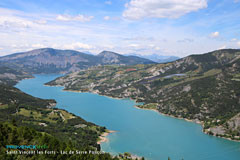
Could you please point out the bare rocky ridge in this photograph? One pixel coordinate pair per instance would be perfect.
(10, 76)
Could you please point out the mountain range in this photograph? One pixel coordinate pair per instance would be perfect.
(49, 60)
(157, 58)
(203, 88)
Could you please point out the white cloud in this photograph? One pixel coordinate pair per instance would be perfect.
(238, 43)
(106, 18)
(151, 45)
(214, 34)
(223, 47)
(13, 22)
(42, 21)
(186, 40)
(108, 46)
(77, 46)
(81, 18)
(234, 40)
(18, 50)
(13, 45)
(157, 48)
(137, 9)
(108, 2)
(236, 1)
(20, 46)
(38, 45)
(134, 45)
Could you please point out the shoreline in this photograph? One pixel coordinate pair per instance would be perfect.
(155, 110)
(188, 120)
(32, 77)
(69, 90)
(167, 115)
(103, 137)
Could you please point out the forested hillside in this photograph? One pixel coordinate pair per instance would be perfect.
(50, 146)
(27, 120)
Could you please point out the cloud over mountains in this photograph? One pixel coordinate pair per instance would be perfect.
(137, 9)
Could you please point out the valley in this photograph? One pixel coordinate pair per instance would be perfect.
(28, 120)
(120, 80)
(207, 90)
(200, 88)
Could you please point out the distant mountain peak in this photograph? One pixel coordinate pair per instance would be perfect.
(108, 53)
(50, 60)
(157, 58)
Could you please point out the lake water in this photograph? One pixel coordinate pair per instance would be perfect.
(141, 132)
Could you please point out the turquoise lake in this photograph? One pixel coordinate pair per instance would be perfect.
(141, 132)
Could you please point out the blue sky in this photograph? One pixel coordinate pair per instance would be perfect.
(164, 27)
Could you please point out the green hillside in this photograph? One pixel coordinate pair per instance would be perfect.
(27, 120)
(49, 147)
